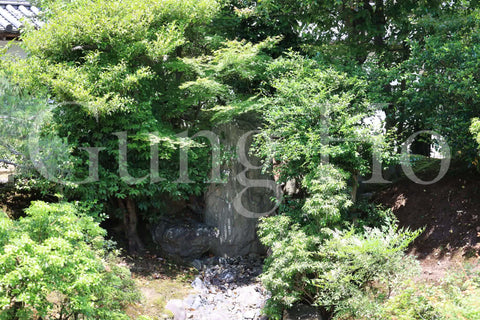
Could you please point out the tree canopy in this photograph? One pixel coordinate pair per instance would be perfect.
(114, 70)
(112, 91)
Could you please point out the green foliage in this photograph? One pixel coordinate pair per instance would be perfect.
(315, 132)
(455, 298)
(411, 303)
(419, 57)
(436, 88)
(115, 66)
(343, 32)
(16, 112)
(346, 272)
(328, 199)
(55, 264)
(229, 81)
(475, 129)
(316, 113)
(158, 68)
(310, 112)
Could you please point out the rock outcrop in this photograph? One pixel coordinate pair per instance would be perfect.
(237, 228)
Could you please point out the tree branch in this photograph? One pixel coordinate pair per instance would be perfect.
(8, 162)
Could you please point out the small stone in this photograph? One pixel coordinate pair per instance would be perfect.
(177, 307)
(228, 277)
(227, 289)
(197, 264)
(249, 314)
(198, 285)
(248, 296)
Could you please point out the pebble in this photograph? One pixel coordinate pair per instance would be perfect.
(226, 289)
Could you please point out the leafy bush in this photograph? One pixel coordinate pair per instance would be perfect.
(409, 304)
(321, 254)
(345, 272)
(455, 298)
(55, 265)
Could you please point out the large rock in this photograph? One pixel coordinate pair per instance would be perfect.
(185, 240)
(237, 230)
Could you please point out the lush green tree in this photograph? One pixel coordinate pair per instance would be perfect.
(230, 82)
(315, 132)
(386, 42)
(317, 116)
(436, 88)
(338, 30)
(114, 67)
(56, 264)
(389, 42)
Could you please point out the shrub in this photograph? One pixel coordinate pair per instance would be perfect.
(54, 264)
(411, 303)
(344, 272)
(455, 298)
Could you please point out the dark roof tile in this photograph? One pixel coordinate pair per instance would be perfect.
(12, 13)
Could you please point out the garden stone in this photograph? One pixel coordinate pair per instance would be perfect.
(184, 240)
(237, 232)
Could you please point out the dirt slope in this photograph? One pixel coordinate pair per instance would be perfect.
(449, 210)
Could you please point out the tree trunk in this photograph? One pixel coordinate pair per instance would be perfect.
(130, 220)
(354, 187)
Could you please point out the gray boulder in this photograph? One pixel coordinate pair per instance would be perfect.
(237, 231)
(184, 240)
